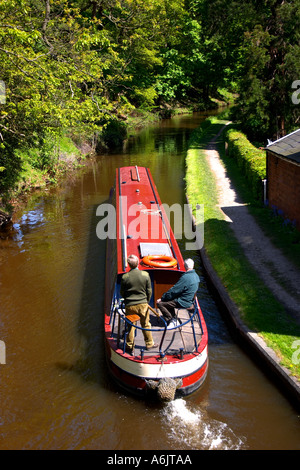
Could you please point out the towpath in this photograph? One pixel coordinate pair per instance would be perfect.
(278, 273)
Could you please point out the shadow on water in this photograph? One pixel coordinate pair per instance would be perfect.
(91, 364)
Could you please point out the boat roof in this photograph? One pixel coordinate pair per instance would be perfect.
(143, 227)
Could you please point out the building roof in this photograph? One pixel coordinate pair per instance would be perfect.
(288, 146)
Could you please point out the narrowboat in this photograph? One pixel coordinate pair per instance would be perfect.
(178, 365)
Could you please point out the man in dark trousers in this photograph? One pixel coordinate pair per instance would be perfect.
(136, 290)
(181, 295)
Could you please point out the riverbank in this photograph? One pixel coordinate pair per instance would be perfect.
(54, 157)
(58, 157)
(67, 157)
(251, 303)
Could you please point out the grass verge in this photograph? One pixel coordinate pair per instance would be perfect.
(258, 307)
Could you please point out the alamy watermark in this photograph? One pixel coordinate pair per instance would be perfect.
(296, 354)
(2, 353)
(135, 225)
(296, 94)
(2, 92)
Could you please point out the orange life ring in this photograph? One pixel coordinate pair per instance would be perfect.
(160, 261)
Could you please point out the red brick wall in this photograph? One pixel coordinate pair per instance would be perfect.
(283, 178)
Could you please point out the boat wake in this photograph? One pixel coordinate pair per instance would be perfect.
(195, 430)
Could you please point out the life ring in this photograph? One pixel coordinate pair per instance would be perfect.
(160, 261)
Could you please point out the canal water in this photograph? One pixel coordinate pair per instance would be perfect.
(55, 390)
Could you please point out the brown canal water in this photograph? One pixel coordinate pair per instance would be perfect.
(55, 391)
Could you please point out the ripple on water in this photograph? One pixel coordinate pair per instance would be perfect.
(196, 430)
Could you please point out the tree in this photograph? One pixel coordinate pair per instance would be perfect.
(81, 66)
(271, 64)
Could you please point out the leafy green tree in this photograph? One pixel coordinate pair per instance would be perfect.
(53, 75)
(271, 64)
(222, 26)
(82, 66)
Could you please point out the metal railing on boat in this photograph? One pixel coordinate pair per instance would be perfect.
(124, 324)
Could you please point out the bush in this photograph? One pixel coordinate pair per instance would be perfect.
(10, 167)
(250, 160)
(114, 133)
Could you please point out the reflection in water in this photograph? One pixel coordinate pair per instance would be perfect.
(55, 390)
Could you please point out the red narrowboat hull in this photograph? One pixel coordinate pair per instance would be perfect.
(142, 225)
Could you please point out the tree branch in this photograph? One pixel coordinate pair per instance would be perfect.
(45, 24)
(11, 131)
(31, 61)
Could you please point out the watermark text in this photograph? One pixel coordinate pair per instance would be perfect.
(296, 354)
(136, 221)
(2, 352)
(2, 92)
(296, 94)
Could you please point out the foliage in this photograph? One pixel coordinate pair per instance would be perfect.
(78, 66)
(271, 65)
(114, 133)
(254, 45)
(250, 160)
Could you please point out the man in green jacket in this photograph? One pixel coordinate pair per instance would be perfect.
(136, 290)
(181, 295)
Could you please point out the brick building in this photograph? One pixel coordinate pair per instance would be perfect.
(283, 176)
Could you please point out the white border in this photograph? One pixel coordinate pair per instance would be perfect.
(161, 369)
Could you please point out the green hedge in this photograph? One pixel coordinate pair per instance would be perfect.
(250, 160)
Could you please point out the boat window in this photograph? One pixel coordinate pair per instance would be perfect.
(148, 249)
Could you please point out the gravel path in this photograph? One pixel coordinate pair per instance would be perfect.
(281, 277)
